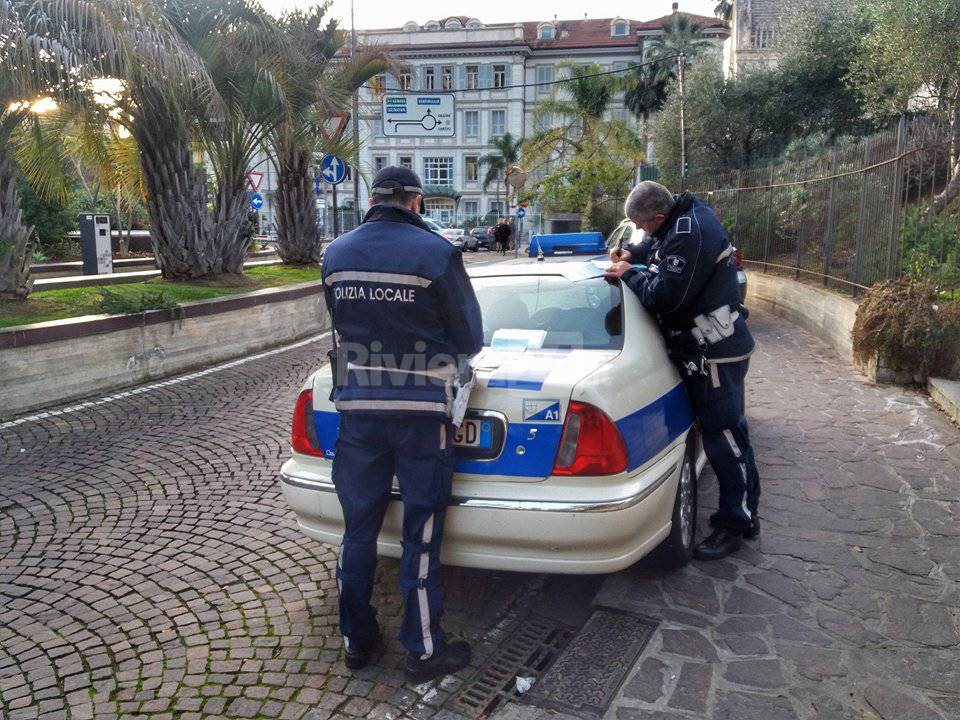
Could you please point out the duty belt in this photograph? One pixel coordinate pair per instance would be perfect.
(708, 329)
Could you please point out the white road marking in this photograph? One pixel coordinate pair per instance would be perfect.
(164, 383)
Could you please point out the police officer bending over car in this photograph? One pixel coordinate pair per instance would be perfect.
(685, 274)
(405, 320)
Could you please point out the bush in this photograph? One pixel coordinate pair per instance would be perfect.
(116, 303)
(50, 223)
(904, 322)
(930, 249)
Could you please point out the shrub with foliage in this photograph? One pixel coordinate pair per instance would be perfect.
(116, 303)
(930, 249)
(905, 323)
(50, 222)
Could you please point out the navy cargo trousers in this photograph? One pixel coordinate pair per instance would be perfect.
(371, 450)
(717, 399)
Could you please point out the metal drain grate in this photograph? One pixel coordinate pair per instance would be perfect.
(528, 653)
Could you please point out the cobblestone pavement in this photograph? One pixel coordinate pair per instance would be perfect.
(849, 604)
(149, 568)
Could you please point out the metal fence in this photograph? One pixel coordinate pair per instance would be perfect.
(834, 215)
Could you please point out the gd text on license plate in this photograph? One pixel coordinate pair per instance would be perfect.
(476, 433)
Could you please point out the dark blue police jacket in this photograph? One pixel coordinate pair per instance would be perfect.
(691, 271)
(404, 312)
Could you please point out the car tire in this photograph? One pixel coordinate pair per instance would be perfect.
(677, 548)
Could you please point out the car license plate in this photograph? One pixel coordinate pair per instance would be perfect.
(476, 433)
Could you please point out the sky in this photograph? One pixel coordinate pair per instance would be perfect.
(372, 14)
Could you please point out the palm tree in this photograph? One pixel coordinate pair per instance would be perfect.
(724, 10)
(645, 94)
(33, 64)
(681, 35)
(240, 46)
(315, 89)
(498, 162)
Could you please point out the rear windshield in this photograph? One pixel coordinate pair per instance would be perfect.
(549, 311)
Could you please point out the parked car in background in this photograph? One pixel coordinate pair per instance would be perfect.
(578, 453)
(457, 236)
(627, 233)
(484, 236)
(435, 225)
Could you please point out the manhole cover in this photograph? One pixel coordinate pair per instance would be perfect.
(529, 651)
(587, 674)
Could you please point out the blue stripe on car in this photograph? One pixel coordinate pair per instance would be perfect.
(646, 433)
(652, 428)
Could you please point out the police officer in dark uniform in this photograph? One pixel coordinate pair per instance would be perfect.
(405, 320)
(684, 272)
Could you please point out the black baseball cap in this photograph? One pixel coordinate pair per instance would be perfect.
(396, 178)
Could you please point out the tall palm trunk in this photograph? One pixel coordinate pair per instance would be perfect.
(15, 280)
(229, 217)
(298, 232)
(177, 204)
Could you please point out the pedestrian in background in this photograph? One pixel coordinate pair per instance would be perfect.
(399, 297)
(686, 275)
(501, 234)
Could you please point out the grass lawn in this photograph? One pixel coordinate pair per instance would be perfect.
(133, 297)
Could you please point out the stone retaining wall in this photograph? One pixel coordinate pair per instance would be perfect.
(53, 362)
(826, 314)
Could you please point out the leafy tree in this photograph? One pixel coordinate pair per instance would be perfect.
(724, 10)
(51, 221)
(729, 122)
(498, 162)
(585, 160)
(646, 92)
(821, 44)
(910, 58)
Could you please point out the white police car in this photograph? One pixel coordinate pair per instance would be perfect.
(578, 454)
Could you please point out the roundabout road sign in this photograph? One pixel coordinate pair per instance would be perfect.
(256, 201)
(333, 169)
(521, 213)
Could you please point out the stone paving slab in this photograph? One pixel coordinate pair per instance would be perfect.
(149, 568)
(848, 606)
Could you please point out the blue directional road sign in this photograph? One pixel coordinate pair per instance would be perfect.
(333, 169)
(521, 213)
(256, 201)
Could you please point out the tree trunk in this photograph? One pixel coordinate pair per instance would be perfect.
(298, 231)
(229, 220)
(949, 194)
(183, 243)
(15, 282)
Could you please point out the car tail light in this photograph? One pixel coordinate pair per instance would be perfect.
(591, 444)
(304, 428)
(739, 256)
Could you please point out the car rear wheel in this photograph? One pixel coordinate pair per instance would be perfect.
(677, 548)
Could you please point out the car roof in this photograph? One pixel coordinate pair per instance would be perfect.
(580, 269)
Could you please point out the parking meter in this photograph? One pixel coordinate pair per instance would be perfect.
(95, 244)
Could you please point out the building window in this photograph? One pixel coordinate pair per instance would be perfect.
(429, 79)
(411, 27)
(406, 161)
(546, 32)
(405, 81)
(431, 25)
(379, 162)
(472, 173)
(471, 208)
(544, 75)
(473, 77)
(453, 24)
(473, 24)
(438, 171)
(496, 207)
(498, 122)
(379, 84)
(446, 77)
(499, 76)
(619, 29)
(471, 122)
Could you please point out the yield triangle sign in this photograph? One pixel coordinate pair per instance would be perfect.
(332, 128)
(255, 178)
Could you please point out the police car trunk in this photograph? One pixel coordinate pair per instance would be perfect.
(569, 456)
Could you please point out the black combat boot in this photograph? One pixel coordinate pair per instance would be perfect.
(356, 656)
(719, 544)
(451, 658)
(754, 532)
